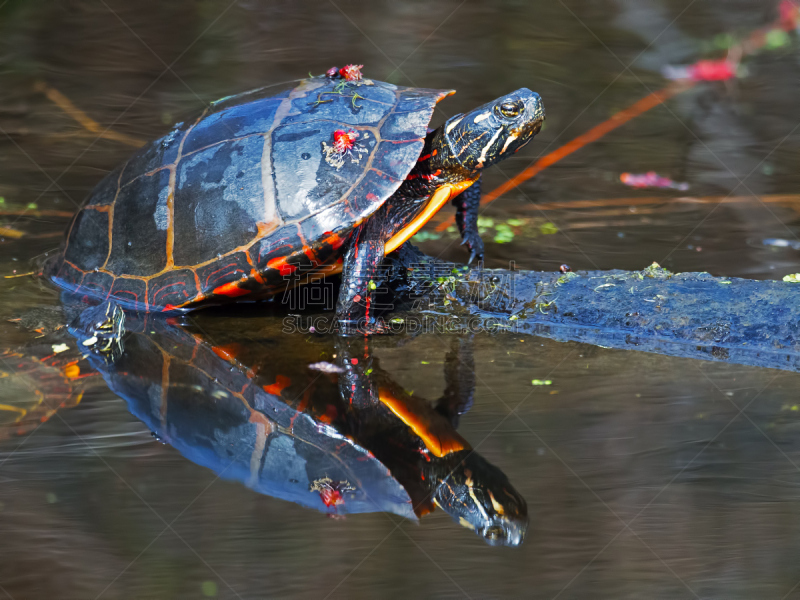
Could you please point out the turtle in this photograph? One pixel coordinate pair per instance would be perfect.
(260, 191)
(324, 427)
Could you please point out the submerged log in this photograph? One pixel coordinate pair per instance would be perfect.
(694, 315)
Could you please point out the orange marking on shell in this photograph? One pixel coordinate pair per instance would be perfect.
(309, 252)
(258, 277)
(281, 383)
(280, 264)
(231, 290)
(334, 239)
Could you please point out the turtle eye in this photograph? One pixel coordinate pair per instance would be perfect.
(510, 109)
(493, 533)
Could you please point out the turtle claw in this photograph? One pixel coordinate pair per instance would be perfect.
(474, 244)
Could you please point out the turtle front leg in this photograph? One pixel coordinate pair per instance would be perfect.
(459, 375)
(362, 275)
(467, 204)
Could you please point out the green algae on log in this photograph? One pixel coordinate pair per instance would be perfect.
(694, 315)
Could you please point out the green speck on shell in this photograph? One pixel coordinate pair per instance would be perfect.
(32, 206)
(51, 498)
(542, 382)
(424, 362)
(548, 228)
(2, 200)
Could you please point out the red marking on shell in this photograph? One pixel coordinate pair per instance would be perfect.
(170, 307)
(281, 383)
(343, 141)
(357, 298)
(354, 361)
(372, 197)
(333, 73)
(231, 290)
(280, 264)
(351, 72)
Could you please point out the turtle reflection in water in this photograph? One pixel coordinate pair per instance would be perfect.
(339, 437)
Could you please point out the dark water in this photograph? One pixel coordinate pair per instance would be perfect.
(645, 476)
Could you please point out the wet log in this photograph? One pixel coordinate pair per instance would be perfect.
(694, 315)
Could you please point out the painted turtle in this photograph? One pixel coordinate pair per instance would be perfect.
(327, 176)
(340, 437)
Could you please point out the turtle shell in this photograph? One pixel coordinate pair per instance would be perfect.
(239, 202)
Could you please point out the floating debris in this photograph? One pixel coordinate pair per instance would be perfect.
(8, 232)
(344, 144)
(702, 70)
(325, 367)
(351, 72)
(779, 243)
(793, 278)
(651, 179)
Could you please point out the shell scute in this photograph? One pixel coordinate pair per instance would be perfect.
(368, 195)
(106, 191)
(172, 289)
(139, 230)
(234, 122)
(88, 247)
(305, 181)
(97, 284)
(228, 268)
(131, 292)
(219, 200)
(393, 158)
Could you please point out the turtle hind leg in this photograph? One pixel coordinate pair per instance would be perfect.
(100, 330)
(467, 204)
(362, 277)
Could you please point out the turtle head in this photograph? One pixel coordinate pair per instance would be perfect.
(100, 329)
(493, 131)
(479, 496)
